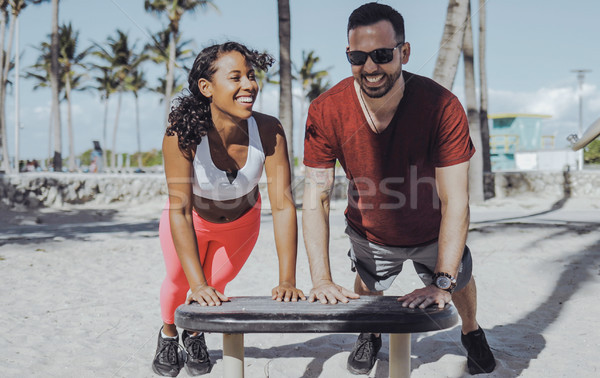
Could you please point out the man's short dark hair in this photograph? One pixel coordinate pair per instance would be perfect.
(371, 13)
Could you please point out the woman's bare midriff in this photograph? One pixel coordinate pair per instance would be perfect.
(225, 211)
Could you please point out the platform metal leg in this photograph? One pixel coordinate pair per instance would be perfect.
(400, 355)
(233, 355)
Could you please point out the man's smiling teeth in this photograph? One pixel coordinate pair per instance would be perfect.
(374, 79)
(245, 99)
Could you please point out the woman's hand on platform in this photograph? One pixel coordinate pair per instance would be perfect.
(206, 296)
(329, 292)
(287, 292)
(426, 296)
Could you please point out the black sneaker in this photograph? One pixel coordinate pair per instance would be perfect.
(198, 362)
(364, 354)
(169, 358)
(480, 358)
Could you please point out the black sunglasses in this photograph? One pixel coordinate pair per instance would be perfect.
(379, 56)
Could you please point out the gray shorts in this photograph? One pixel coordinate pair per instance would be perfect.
(378, 265)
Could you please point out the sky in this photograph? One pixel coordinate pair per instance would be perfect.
(532, 49)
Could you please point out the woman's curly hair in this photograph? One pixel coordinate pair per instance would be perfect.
(190, 117)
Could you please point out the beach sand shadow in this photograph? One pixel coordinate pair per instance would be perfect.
(32, 227)
(516, 344)
(319, 349)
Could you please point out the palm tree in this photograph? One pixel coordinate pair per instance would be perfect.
(158, 50)
(69, 59)
(317, 87)
(452, 39)
(135, 83)
(69, 79)
(162, 85)
(16, 7)
(310, 80)
(54, 81)
(483, 92)
(285, 78)
(43, 81)
(3, 135)
(262, 79)
(476, 164)
(106, 84)
(122, 59)
(174, 9)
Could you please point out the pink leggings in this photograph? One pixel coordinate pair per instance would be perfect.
(223, 250)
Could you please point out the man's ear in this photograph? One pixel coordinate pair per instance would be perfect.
(405, 52)
(205, 88)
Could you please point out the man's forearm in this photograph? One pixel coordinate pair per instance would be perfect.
(315, 221)
(452, 238)
(315, 229)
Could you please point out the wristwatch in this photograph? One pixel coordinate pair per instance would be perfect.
(444, 281)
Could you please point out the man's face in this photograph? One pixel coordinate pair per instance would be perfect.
(376, 80)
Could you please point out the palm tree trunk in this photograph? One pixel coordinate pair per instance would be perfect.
(3, 18)
(72, 165)
(450, 47)
(137, 129)
(3, 134)
(17, 94)
(3, 84)
(50, 127)
(483, 92)
(104, 127)
(170, 78)
(54, 82)
(115, 128)
(285, 76)
(476, 163)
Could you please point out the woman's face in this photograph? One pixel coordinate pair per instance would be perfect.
(233, 87)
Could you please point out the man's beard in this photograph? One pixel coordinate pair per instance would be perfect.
(390, 80)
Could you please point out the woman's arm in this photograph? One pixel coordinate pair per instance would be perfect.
(178, 172)
(277, 168)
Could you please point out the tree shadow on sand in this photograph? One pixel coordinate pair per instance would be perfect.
(515, 344)
(319, 349)
(521, 342)
(33, 227)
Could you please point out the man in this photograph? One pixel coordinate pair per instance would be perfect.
(403, 141)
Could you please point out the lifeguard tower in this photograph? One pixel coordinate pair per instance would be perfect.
(517, 143)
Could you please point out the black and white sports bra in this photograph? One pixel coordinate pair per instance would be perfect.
(212, 183)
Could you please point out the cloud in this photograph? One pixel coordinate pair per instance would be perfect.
(561, 103)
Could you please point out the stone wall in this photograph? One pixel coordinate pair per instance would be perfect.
(33, 190)
(574, 183)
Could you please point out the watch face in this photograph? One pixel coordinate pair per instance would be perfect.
(443, 282)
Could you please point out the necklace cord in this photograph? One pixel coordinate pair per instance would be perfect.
(368, 112)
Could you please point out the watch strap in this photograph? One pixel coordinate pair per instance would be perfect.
(447, 275)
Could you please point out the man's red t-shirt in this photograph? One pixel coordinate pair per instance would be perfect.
(392, 197)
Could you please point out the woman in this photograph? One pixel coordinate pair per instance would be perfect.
(214, 150)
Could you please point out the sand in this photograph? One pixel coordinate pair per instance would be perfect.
(80, 295)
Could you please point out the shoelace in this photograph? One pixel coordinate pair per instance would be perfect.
(197, 347)
(364, 348)
(168, 351)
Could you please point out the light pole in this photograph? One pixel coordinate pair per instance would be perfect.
(580, 79)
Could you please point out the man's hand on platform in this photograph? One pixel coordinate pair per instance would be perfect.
(329, 292)
(206, 296)
(287, 292)
(426, 296)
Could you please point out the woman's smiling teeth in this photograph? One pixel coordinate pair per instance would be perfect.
(245, 99)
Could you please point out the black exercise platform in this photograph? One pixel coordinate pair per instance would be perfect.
(264, 315)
